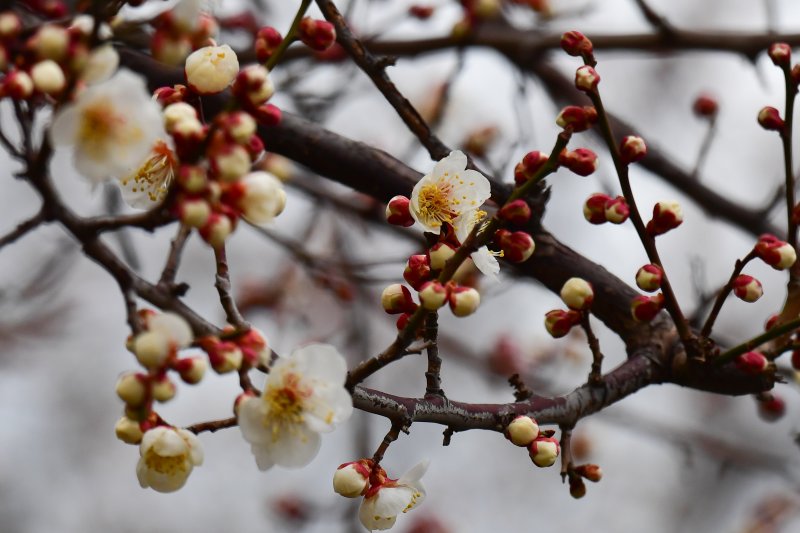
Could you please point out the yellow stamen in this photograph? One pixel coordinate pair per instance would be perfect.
(169, 465)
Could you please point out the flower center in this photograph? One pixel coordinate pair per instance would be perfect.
(285, 405)
(155, 175)
(169, 465)
(434, 203)
(101, 126)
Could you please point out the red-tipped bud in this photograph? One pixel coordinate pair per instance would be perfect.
(589, 471)
(527, 168)
(398, 213)
(617, 210)
(216, 229)
(464, 300)
(645, 308)
(705, 106)
(771, 322)
(267, 41)
(432, 295)
(780, 54)
(752, 363)
(351, 479)
(517, 246)
(576, 44)
(522, 431)
(421, 12)
(747, 288)
(191, 369)
(18, 85)
(417, 271)
(594, 208)
(648, 278)
(771, 407)
(581, 161)
(544, 451)
(267, 115)
(396, 298)
(577, 293)
(586, 79)
(558, 322)
(439, 254)
(770, 119)
(318, 35)
(253, 87)
(632, 149)
(402, 321)
(517, 212)
(776, 253)
(224, 356)
(578, 118)
(163, 389)
(170, 95)
(666, 216)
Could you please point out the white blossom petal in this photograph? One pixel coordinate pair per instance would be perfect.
(486, 262)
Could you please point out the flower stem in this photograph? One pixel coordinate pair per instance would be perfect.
(724, 292)
(290, 37)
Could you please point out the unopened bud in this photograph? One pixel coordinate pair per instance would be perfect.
(191, 369)
(398, 212)
(594, 208)
(559, 322)
(747, 288)
(577, 293)
(396, 298)
(544, 451)
(617, 210)
(577, 488)
(10, 25)
(586, 79)
(432, 295)
(464, 301)
(517, 246)
(576, 44)
(666, 216)
(517, 212)
(770, 119)
(522, 431)
(648, 278)
(152, 349)
(194, 212)
(351, 479)
(645, 308)
(589, 471)
(581, 161)
(131, 389)
(267, 40)
(163, 389)
(776, 253)
(527, 168)
(439, 254)
(771, 407)
(771, 322)
(632, 149)
(752, 363)
(128, 431)
(780, 54)
(18, 85)
(417, 271)
(577, 118)
(48, 77)
(211, 69)
(705, 106)
(318, 35)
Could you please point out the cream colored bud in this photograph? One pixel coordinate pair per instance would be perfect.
(51, 42)
(128, 431)
(151, 348)
(577, 293)
(211, 69)
(48, 77)
(163, 390)
(350, 480)
(195, 212)
(432, 295)
(131, 389)
(464, 301)
(544, 451)
(233, 163)
(439, 254)
(177, 112)
(522, 431)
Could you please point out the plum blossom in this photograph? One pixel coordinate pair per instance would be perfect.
(112, 126)
(384, 501)
(211, 69)
(166, 334)
(168, 456)
(149, 183)
(303, 397)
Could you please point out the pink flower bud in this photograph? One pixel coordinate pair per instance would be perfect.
(771, 407)
(705, 106)
(589, 471)
(396, 299)
(527, 168)
(578, 118)
(522, 431)
(464, 300)
(224, 356)
(417, 271)
(666, 216)
(253, 87)
(17, 85)
(771, 322)
(433, 295)
(752, 363)
(170, 95)
(544, 451)
(318, 35)
(594, 208)
(645, 308)
(586, 79)
(398, 213)
(747, 288)
(517, 246)
(581, 161)
(770, 119)
(632, 149)
(558, 322)
(617, 210)
(351, 479)
(267, 115)
(192, 178)
(402, 321)
(576, 44)
(191, 369)
(775, 252)
(132, 388)
(517, 212)
(266, 42)
(238, 126)
(577, 293)
(780, 54)
(648, 278)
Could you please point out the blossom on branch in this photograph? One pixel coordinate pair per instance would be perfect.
(388, 498)
(149, 183)
(303, 397)
(211, 69)
(168, 456)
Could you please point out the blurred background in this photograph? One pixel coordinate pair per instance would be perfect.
(674, 460)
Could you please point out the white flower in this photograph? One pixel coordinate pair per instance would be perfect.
(449, 194)
(211, 69)
(112, 126)
(101, 64)
(486, 261)
(168, 456)
(263, 197)
(382, 503)
(149, 183)
(303, 397)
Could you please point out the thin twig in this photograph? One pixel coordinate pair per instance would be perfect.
(23, 228)
(724, 292)
(223, 285)
(596, 374)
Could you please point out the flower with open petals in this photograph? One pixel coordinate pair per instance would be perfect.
(303, 397)
(112, 126)
(384, 501)
(450, 194)
(149, 183)
(168, 456)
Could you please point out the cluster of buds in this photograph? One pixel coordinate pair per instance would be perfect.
(747, 288)
(517, 246)
(236, 352)
(776, 253)
(543, 449)
(581, 161)
(526, 169)
(666, 216)
(397, 299)
(645, 308)
(600, 208)
(181, 30)
(577, 118)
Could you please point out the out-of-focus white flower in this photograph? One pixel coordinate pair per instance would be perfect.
(383, 502)
(168, 456)
(263, 197)
(149, 183)
(211, 69)
(101, 64)
(186, 13)
(112, 126)
(450, 194)
(166, 333)
(303, 397)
